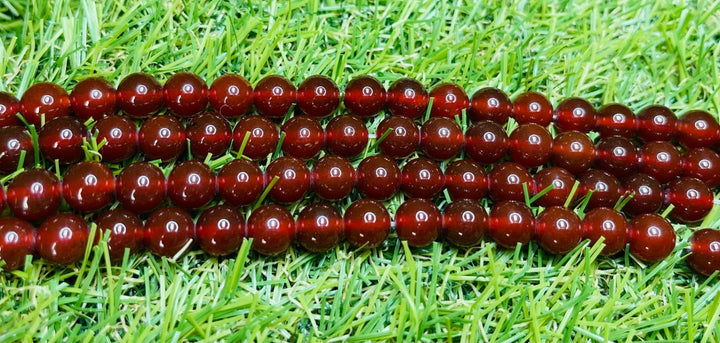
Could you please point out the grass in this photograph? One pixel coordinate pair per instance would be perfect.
(633, 52)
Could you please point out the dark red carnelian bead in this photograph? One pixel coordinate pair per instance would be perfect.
(94, 98)
(704, 255)
(532, 107)
(139, 95)
(346, 135)
(140, 187)
(162, 138)
(466, 179)
(704, 164)
(185, 94)
(263, 137)
(304, 137)
(2, 199)
(559, 230)
(319, 227)
(609, 224)
(490, 104)
(465, 223)
(378, 177)
(697, 129)
(120, 136)
(9, 108)
(422, 178)
(220, 230)
(13, 141)
(61, 239)
(367, 223)
(441, 138)
(691, 197)
(661, 160)
(168, 230)
(318, 96)
(606, 188)
(511, 222)
(272, 229)
(615, 120)
(231, 95)
(562, 182)
(208, 133)
(273, 96)
(62, 139)
(294, 179)
(17, 240)
(365, 96)
(648, 194)
(656, 123)
(333, 177)
(126, 232)
(407, 97)
(191, 184)
(418, 222)
(486, 142)
(506, 182)
(404, 137)
(449, 100)
(617, 155)
(240, 182)
(573, 151)
(88, 186)
(530, 145)
(44, 99)
(34, 194)
(575, 114)
(652, 238)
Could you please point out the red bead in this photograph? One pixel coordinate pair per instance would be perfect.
(418, 222)
(44, 99)
(318, 96)
(575, 114)
(692, 199)
(506, 182)
(661, 160)
(120, 136)
(404, 137)
(273, 96)
(13, 141)
(511, 222)
(441, 138)
(656, 123)
(294, 179)
(168, 230)
(304, 137)
(562, 182)
(704, 255)
(139, 95)
(126, 232)
(573, 151)
(9, 108)
(231, 95)
(208, 133)
(704, 164)
(94, 98)
(407, 97)
(62, 238)
(140, 187)
(652, 238)
(365, 96)
(609, 224)
(346, 135)
(240, 182)
(617, 155)
(367, 223)
(17, 240)
(466, 179)
(272, 229)
(697, 129)
(319, 227)
(191, 184)
(62, 139)
(220, 230)
(530, 145)
(486, 142)
(648, 194)
(449, 100)
(559, 230)
(263, 137)
(422, 178)
(606, 188)
(465, 223)
(185, 94)
(490, 104)
(333, 178)
(34, 194)
(88, 186)
(532, 107)
(162, 138)
(378, 177)
(615, 120)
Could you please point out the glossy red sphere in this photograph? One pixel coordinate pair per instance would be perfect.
(466, 179)
(208, 133)
(319, 227)
(441, 138)
(140, 187)
(62, 139)
(17, 240)
(139, 95)
(367, 223)
(231, 95)
(609, 224)
(696, 129)
(506, 182)
(346, 135)
(46, 100)
(304, 137)
(615, 120)
(168, 230)
(318, 96)
(511, 222)
(422, 178)
(378, 177)
(94, 98)
(403, 139)
(562, 182)
(490, 104)
(656, 123)
(617, 155)
(333, 178)
(532, 107)
(559, 230)
(88, 186)
(240, 182)
(185, 94)
(418, 222)
(465, 223)
(691, 197)
(162, 138)
(126, 232)
(263, 137)
(652, 238)
(273, 96)
(449, 100)
(661, 160)
(120, 137)
(704, 255)
(704, 164)
(191, 184)
(272, 229)
(606, 188)
(9, 108)
(647, 193)
(220, 230)
(573, 151)
(34, 194)
(62, 238)
(365, 96)
(407, 97)
(13, 141)
(294, 179)
(575, 114)
(486, 142)
(530, 145)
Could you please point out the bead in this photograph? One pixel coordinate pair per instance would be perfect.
(652, 238)
(273, 96)
(231, 95)
(367, 223)
(318, 96)
(46, 100)
(691, 197)
(294, 179)
(606, 188)
(240, 182)
(272, 229)
(139, 95)
(573, 151)
(562, 182)
(378, 177)
(162, 138)
(17, 240)
(168, 230)
(465, 223)
(648, 194)
(9, 108)
(615, 120)
(441, 138)
(466, 179)
(319, 227)
(609, 224)
(263, 138)
(418, 222)
(661, 160)
(140, 187)
(703, 164)
(94, 98)
(88, 186)
(407, 97)
(120, 136)
(617, 155)
(34, 194)
(333, 178)
(62, 139)
(404, 137)
(506, 182)
(532, 107)
(449, 100)
(208, 133)
(185, 94)
(191, 185)
(126, 232)
(575, 114)
(61, 239)
(346, 135)
(530, 145)
(656, 123)
(220, 230)
(490, 104)
(511, 222)
(486, 142)
(697, 129)
(422, 178)
(304, 137)
(704, 255)
(365, 96)
(559, 230)
(13, 141)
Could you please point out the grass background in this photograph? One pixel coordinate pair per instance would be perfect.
(634, 52)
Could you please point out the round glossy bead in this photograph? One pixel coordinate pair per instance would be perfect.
(191, 184)
(185, 94)
(506, 182)
(168, 230)
(486, 142)
(139, 95)
(294, 179)
(34, 194)
(704, 255)
(88, 186)
(407, 97)
(346, 135)
(530, 145)
(532, 107)
(263, 137)
(13, 141)
(466, 179)
(704, 164)
(273, 96)
(378, 177)
(617, 155)
(562, 182)
(615, 120)
(418, 222)
(120, 136)
(126, 232)
(656, 123)
(220, 230)
(661, 160)
(318, 96)
(403, 138)
(319, 227)
(365, 96)
(333, 178)
(367, 223)
(648, 194)
(162, 138)
(449, 100)
(17, 240)
(691, 197)
(575, 114)
(422, 178)
(94, 98)
(208, 133)
(441, 138)
(240, 182)
(61, 239)
(559, 230)
(62, 139)
(44, 99)
(652, 238)
(606, 188)
(9, 108)
(465, 223)
(696, 129)
(304, 137)
(511, 222)
(609, 224)
(490, 104)
(573, 151)
(231, 95)
(272, 229)
(140, 187)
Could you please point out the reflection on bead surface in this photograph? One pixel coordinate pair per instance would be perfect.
(422, 178)
(88, 186)
(575, 114)
(120, 136)
(262, 134)
(506, 182)
(231, 95)
(139, 95)
(378, 177)
(448, 100)
(240, 182)
(703, 164)
(465, 223)
(220, 230)
(609, 224)
(573, 151)
(697, 129)
(656, 123)
(558, 230)
(365, 96)
(418, 222)
(185, 94)
(208, 133)
(530, 145)
(61, 239)
(9, 108)
(126, 231)
(466, 179)
(318, 96)
(294, 179)
(273, 96)
(140, 187)
(319, 227)
(17, 240)
(34, 194)
(691, 197)
(490, 104)
(441, 138)
(191, 184)
(403, 139)
(367, 223)
(44, 99)
(652, 238)
(62, 139)
(272, 229)
(661, 160)
(304, 137)
(532, 107)
(333, 177)
(615, 120)
(705, 251)
(162, 138)
(562, 182)
(168, 230)
(617, 156)
(93, 98)
(511, 222)
(486, 142)
(346, 135)
(648, 194)
(407, 97)
(606, 188)
(13, 141)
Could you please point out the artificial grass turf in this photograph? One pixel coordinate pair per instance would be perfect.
(636, 53)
